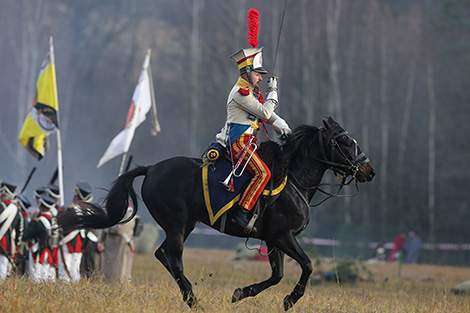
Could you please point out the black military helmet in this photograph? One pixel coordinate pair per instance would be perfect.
(53, 191)
(23, 202)
(46, 202)
(83, 191)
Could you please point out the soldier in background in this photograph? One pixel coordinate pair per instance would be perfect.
(53, 191)
(33, 210)
(22, 255)
(91, 260)
(11, 228)
(73, 243)
(119, 251)
(41, 242)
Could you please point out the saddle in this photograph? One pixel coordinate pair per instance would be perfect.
(217, 166)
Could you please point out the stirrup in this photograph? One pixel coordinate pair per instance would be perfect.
(250, 227)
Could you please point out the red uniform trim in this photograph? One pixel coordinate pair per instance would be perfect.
(55, 256)
(247, 57)
(260, 171)
(3, 243)
(50, 259)
(78, 245)
(243, 92)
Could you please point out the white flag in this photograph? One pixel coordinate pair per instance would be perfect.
(140, 105)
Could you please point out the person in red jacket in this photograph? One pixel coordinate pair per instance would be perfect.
(398, 242)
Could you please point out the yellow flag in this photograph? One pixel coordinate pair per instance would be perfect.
(42, 118)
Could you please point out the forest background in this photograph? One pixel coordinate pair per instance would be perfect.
(395, 74)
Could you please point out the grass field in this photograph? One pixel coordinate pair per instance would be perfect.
(420, 288)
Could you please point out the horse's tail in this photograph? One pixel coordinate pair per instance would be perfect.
(93, 215)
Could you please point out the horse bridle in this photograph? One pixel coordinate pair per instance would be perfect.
(349, 168)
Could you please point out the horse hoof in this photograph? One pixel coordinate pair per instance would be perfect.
(288, 303)
(237, 295)
(191, 301)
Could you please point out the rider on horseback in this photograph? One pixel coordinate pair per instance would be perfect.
(246, 109)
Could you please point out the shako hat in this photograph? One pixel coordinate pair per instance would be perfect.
(83, 191)
(9, 189)
(250, 59)
(23, 202)
(53, 191)
(39, 191)
(46, 202)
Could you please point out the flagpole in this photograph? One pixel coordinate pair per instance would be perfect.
(123, 162)
(59, 141)
(155, 126)
(59, 164)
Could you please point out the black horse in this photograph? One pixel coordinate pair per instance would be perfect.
(172, 192)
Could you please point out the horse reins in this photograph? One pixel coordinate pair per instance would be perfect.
(353, 165)
(345, 170)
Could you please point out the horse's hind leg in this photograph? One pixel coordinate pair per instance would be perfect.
(170, 255)
(276, 259)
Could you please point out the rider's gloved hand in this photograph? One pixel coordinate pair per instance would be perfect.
(273, 82)
(272, 88)
(281, 127)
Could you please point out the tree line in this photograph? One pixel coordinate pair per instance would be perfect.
(393, 73)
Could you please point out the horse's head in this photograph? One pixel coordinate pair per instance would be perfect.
(343, 153)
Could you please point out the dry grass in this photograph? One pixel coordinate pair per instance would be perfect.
(421, 288)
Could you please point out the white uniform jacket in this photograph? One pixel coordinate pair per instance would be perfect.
(244, 109)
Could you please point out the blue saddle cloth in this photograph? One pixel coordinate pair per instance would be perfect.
(216, 197)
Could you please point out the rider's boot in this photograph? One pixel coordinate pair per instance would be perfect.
(241, 216)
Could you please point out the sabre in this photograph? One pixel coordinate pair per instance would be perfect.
(279, 37)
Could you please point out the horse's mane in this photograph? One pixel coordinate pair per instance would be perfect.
(279, 157)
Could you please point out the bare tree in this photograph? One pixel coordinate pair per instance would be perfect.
(367, 106)
(308, 59)
(432, 151)
(194, 100)
(385, 121)
(28, 60)
(332, 29)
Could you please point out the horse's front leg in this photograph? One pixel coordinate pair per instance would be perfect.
(289, 245)
(276, 259)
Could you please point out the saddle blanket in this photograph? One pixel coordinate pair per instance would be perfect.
(216, 197)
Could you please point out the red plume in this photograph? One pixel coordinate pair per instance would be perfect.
(253, 25)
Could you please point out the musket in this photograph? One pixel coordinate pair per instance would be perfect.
(28, 179)
(54, 176)
(13, 265)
